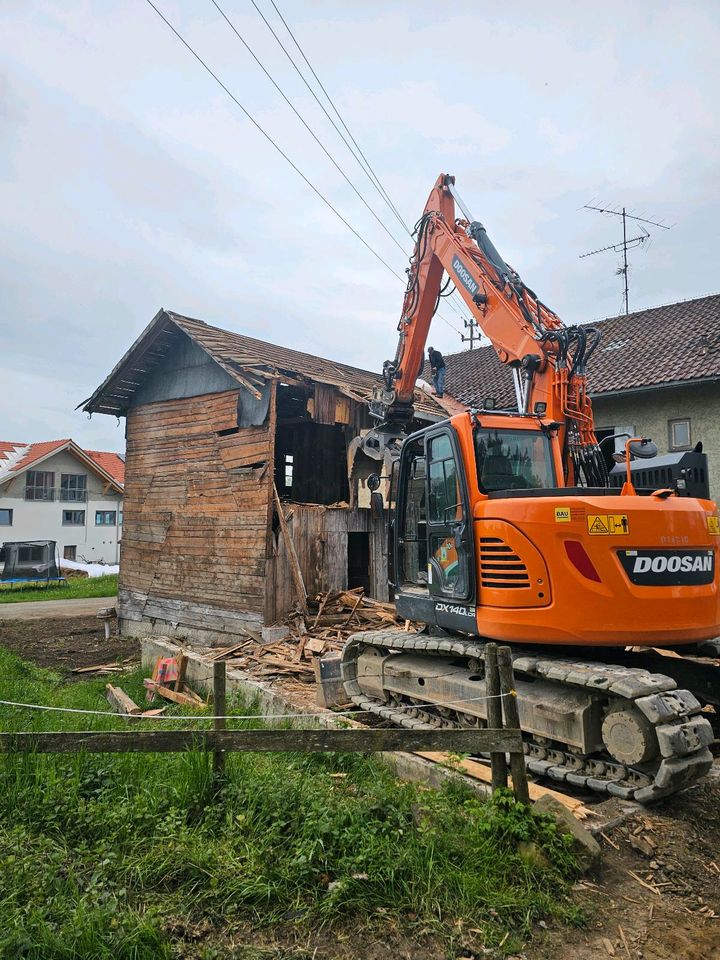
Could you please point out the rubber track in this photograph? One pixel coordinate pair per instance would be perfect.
(683, 736)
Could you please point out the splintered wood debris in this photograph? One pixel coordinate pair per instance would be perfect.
(331, 618)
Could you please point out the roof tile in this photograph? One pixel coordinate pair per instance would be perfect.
(676, 343)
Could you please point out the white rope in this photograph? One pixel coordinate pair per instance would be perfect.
(265, 718)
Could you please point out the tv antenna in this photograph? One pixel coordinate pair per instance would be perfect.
(626, 244)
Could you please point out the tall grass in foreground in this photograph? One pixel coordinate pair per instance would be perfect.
(101, 855)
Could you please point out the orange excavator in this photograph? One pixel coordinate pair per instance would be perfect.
(505, 527)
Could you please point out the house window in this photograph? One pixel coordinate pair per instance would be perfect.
(105, 518)
(120, 518)
(6, 518)
(679, 431)
(73, 518)
(39, 485)
(70, 552)
(73, 487)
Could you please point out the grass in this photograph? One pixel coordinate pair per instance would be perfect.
(119, 856)
(75, 589)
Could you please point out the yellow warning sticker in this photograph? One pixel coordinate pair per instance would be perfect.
(562, 515)
(610, 525)
(714, 525)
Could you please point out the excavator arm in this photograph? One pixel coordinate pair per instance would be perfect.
(547, 358)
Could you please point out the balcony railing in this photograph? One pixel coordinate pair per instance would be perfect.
(39, 493)
(53, 493)
(73, 496)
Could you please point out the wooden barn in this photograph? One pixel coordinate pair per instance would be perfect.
(216, 423)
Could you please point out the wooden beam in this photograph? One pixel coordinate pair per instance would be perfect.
(476, 770)
(375, 740)
(185, 699)
(118, 699)
(512, 717)
(297, 576)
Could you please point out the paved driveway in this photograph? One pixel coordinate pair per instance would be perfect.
(44, 609)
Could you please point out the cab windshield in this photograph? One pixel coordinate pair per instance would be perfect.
(513, 460)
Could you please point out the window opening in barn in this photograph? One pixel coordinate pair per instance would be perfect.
(70, 552)
(310, 456)
(288, 472)
(358, 574)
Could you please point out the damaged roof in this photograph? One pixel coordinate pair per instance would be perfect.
(243, 358)
(663, 346)
(16, 457)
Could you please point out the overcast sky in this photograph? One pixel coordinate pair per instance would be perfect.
(130, 181)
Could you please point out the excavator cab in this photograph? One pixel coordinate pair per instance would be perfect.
(440, 475)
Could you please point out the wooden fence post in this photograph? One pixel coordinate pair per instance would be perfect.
(219, 712)
(494, 713)
(512, 717)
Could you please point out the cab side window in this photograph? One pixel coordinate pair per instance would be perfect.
(447, 528)
(413, 555)
(445, 499)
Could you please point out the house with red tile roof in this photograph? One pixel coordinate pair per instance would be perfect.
(656, 372)
(56, 490)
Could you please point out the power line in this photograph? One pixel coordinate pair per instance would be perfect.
(364, 163)
(330, 100)
(273, 143)
(279, 149)
(305, 124)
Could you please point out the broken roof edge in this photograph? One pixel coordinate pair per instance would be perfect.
(291, 362)
(62, 445)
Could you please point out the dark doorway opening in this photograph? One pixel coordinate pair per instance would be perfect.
(359, 561)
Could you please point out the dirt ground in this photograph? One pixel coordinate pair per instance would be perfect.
(64, 644)
(656, 897)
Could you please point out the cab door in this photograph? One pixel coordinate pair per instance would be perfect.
(449, 527)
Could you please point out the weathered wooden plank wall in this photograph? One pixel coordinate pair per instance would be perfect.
(320, 535)
(196, 516)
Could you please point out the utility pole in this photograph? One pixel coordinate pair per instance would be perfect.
(473, 335)
(626, 244)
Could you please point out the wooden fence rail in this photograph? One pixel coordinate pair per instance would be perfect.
(263, 741)
(495, 739)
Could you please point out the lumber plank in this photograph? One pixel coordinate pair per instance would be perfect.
(292, 555)
(261, 741)
(478, 771)
(186, 699)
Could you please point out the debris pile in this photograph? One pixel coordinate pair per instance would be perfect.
(289, 649)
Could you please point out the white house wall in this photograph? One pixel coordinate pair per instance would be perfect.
(42, 520)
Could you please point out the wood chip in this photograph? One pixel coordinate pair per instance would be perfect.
(609, 947)
(651, 887)
(625, 943)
